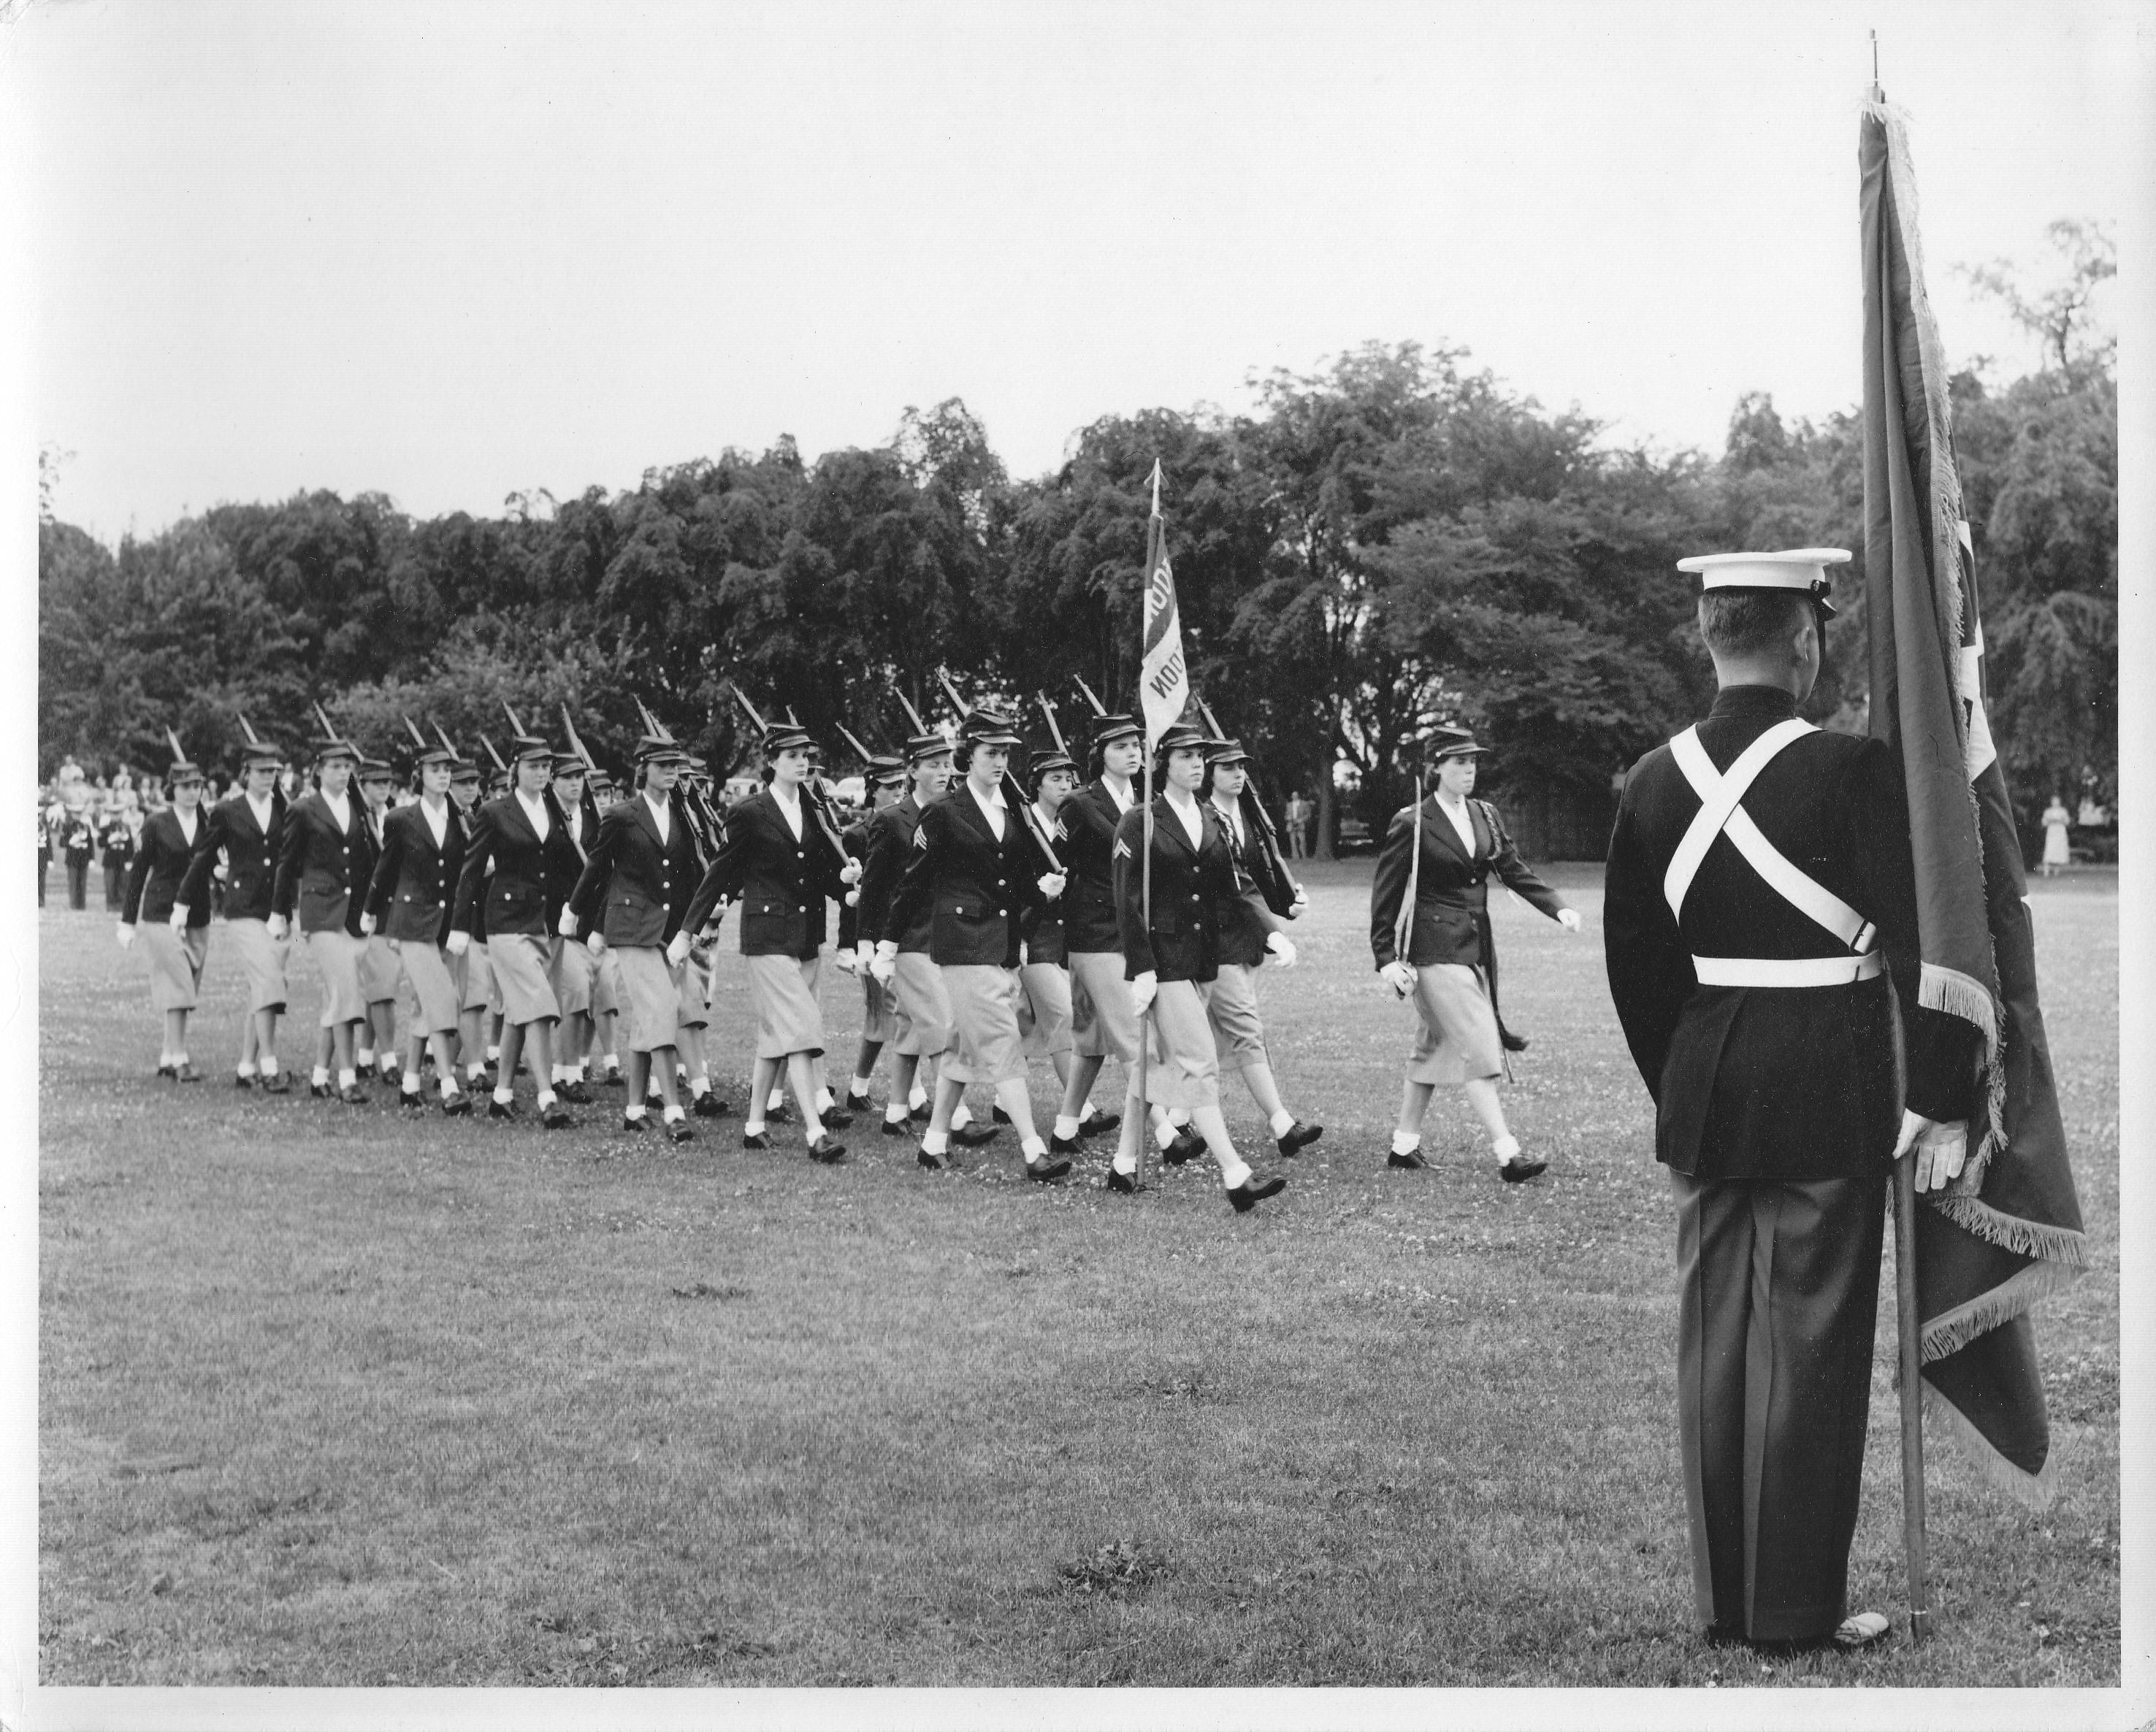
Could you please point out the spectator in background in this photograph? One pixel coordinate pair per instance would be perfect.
(44, 849)
(2056, 852)
(79, 840)
(1298, 826)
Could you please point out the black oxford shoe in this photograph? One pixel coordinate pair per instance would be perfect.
(837, 1119)
(1094, 1122)
(500, 1108)
(1300, 1135)
(556, 1116)
(1046, 1170)
(281, 1084)
(897, 1127)
(826, 1152)
(355, 1096)
(932, 1163)
(576, 1094)
(1254, 1190)
(678, 1130)
(1187, 1143)
(708, 1105)
(1411, 1160)
(1062, 1144)
(1519, 1169)
(241, 1082)
(1127, 1183)
(186, 1073)
(755, 1139)
(971, 1136)
(456, 1106)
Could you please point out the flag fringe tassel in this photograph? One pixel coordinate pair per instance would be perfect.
(2060, 1246)
(2032, 1491)
(1951, 1331)
(1941, 988)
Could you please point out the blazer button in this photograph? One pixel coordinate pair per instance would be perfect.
(999, 883)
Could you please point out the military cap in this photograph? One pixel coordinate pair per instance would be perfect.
(1047, 762)
(330, 746)
(376, 770)
(983, 726)
(260, 751)
(1113, 726)
(1801, 569)
(524, 747)
(1225, 751)
(657, 749)
(921, 747)
(883, 769)
(1179, 735)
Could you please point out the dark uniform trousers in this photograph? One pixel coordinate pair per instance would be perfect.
(1776, 1110)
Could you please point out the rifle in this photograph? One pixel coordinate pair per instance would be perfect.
(322, 715)
(575, 744)
(516, 727)
(501, 768)
(861, 751)
(1013, 793)
(1098, 708)
(446, 746)
(1055, 733)
(253, 738)
(1403, 922)
(912, 715)
(179, 757)
(418, 739)
(1254, 809)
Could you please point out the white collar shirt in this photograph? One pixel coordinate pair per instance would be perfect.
(1192, 817)
(662, 816)
(340, 805)
(1463, 824)
(789, 809)
(535, 809)
(995, 808)
(1121, 796)
(260, 808)
(438, 819)
(189, 822)
(1233, 818)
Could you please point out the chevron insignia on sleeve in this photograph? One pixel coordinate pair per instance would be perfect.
(1122, 850)
(921, 837)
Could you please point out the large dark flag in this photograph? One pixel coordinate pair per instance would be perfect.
(2008, 1230)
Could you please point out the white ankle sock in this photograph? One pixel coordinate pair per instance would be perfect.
(916, 1098)
(894, 1114)
(347, 1080)
(472, 1072)
(1164, 1133)
(411, 1082)
(1126, 1164)
(674, 1113)
(1236, 1175)
(1506, 1147)
(321, 1074)
(505, 1096)
(777, 1100)
(963, 1117)
(858, 1087)
(1406, 1142)
(936, 1142)
(1282, 1122)
(1033, 1148)
(546, 1099)
(246, 1070)
(1066, 1127)
(270, 1066)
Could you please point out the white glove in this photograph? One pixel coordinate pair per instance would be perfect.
(1568, 918)
(885, 963)
(850, 873)
(1400, 976)
(1281, 949)
(1942, 1147)
(459, 942)
(366, 926)
(1302, 901)
(567, 924)
(126, 935)
(677, 952)
(595, 944)
(1144, 990)
(849, 961)
(853, 899)
(178, 922)
(1051, 884)
(277, 927)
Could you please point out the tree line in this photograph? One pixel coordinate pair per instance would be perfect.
(1389, 541)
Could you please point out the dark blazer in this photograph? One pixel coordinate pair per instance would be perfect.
(974, 885)
(572, 853)
(1250, 916)
(115, 844)
(1089, 817)
(889, 846)
(854, 838)
(412, 879)
(639, 886)
(161, 866)
(1042, 926)
(320, 868)
(1784, 1083)
(1452, 892)
(512, 881)
(781, 883)
(250, 857)
(1189, 888)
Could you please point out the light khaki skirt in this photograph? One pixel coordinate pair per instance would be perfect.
(1181, 1067)
(175, 963)
(475, 975)
(788, 1019)
(336, 952)
(571, 973)
(378, 970)
(432, 1000)
(262, 961)
(696, 982)
(1102, 1025)
(922, 1004)
(1231, 1006)
(520, 966)
(1044, 1010)
(1457, 1039)
(879, 1015)
(606, 992)
(984, 1001)
(647, 997)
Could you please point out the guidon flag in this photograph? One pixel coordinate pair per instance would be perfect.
(2008, 1229)
(1163, 676)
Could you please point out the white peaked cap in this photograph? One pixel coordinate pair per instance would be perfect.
(1797, 568)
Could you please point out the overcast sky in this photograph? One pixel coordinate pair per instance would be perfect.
(450, 252)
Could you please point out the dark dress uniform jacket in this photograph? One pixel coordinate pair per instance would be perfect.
(888, 848)
(975, 885)
(1043, 926)
(1089, 817)
(854, 839)
(1190, 887)
(781, 883)
(250, 857)
(1775, 1083)
(1260, 891)
(322, 869)
(634, 886)
(159, 868)
(414, 879)
(1452, 890)
(511, 880)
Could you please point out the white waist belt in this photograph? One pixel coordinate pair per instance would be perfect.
(1783, 971)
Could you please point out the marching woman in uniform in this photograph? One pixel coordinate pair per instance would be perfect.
(632, 898)
(407, 906)
(469, 969)
(319, 877)
(1452, 846)
(572, 971)
(247, 828)
(1171, 957)
(975, 869)
(176, 955)
(1043, 973)
(922, 1008)
(1250, 933)
(780, 865)
(513, 874)
(886, 779)
(379, 970)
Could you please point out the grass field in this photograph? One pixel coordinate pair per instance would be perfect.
(330, 1398)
